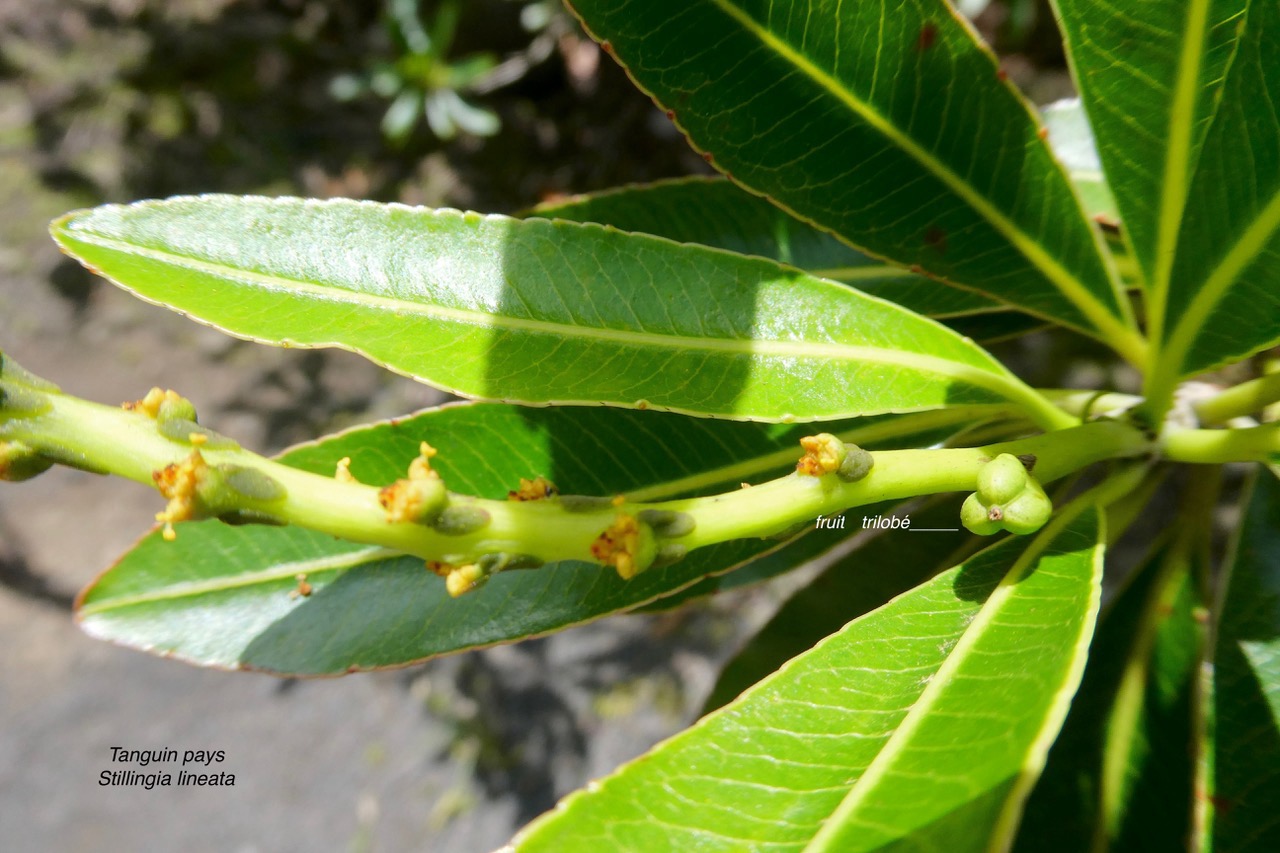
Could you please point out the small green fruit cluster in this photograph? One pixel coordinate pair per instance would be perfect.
(1008, 498)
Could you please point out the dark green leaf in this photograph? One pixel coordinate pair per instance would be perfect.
(1149, 74)
(1246, 694)
(892, 129)
(989, 329)
(1122, 769)
(1153, 804)
(714, 212)
(1223, 300)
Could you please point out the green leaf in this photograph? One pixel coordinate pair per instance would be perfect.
(919, 723)
(1152, 738)
(894, 131)
(1224, 288)
(989, 329)
(715, 212)
(221, 596)
(1246, 689)
(1149, 74)
(1122, 769)
(887, 563)
(537, 312)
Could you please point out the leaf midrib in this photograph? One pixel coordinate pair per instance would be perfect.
(1245, 250)
(285, 571)
(1112, 327)
(1176, 178)
(996, 379)
(976, 630)
(863, 272)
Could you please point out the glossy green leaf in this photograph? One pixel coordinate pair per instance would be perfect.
(885, 564)
(715, 212)
(919, 723)
(1224, 288)
(535, 311)
(1149, 74)
(888, 126)
(1246, 684)
(220, 595)
(1122, 770)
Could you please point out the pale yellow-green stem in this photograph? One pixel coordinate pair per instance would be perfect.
(157, 446)
(1247, 398)
(1217, 446)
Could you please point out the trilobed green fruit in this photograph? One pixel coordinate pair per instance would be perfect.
(1028, 512)
(975, 516)
(1002, 479)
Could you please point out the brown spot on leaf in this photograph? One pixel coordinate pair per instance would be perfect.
(936, 238)
(928, 35)
(1107, 223)
(1221, 804)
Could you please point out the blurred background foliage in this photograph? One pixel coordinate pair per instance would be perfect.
(490, 103)
(122, 99)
